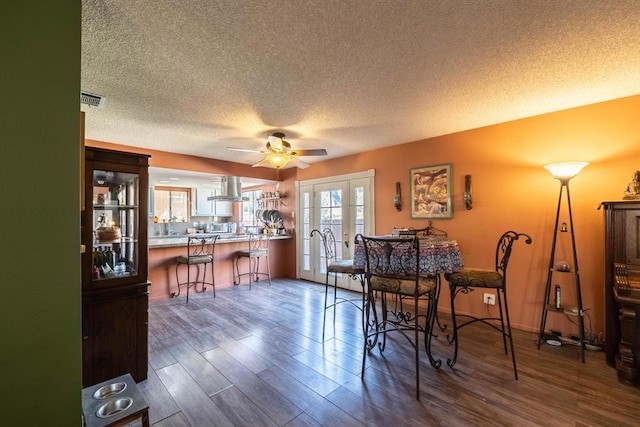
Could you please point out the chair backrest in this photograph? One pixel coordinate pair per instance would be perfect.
(503, 250)
(394, 257)
(199, 245)
(259, 241)
(431, 231)
(329, 244)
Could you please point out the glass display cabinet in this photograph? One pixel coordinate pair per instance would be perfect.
(114, 266)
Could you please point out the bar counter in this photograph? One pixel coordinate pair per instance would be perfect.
(163, 251)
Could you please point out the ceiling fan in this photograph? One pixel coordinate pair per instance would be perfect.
(279, 153)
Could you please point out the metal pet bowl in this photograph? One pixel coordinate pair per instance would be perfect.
(109, 390)
(114, 407)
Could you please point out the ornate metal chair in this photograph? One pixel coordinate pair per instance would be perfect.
(258, 248)
(200, 252)
(392, 268)
(335, 265)
(467, 279)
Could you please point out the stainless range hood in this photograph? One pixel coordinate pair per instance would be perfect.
(231, 190)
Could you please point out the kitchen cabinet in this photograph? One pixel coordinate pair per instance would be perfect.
(114, 266)
(622, 245)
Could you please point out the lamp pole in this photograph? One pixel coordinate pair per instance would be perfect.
(564, 172)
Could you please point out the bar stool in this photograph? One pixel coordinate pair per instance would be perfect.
(258, 248)
(200, 252)
(468, 279)
(336, 266)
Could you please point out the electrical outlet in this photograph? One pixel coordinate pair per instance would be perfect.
(489, 299)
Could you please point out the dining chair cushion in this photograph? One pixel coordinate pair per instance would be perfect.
(403, 286)
(199, 259)
(475, 277)
(343, 266)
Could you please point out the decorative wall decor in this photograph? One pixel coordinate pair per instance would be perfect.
(431, 195)
(632, 192)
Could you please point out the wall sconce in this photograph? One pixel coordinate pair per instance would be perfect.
(467, 191)
(397, 200)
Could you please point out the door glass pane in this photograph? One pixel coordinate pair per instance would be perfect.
(331, 216)
(115, 224)
(305, 208)
(358, 210)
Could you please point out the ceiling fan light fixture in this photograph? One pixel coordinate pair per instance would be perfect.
(278, 161)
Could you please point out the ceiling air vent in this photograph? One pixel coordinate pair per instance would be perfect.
(92, 99)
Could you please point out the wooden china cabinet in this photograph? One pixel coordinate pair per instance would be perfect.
(622, 246)
(115, 294)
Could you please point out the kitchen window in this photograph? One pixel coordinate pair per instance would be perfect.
(171, 204)
(250, 206)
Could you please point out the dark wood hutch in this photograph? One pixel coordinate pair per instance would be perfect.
(622, 246)
(114, 266)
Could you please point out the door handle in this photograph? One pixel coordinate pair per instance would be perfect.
(345, 240)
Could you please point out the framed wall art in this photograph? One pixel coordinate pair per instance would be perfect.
(431, 195)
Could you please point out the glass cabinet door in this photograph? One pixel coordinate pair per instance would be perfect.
(115, 224)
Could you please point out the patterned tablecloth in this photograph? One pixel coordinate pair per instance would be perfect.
(437, 255)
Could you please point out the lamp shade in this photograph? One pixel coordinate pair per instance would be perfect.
(565, 170)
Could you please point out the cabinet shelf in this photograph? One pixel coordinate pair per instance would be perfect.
(114, 206)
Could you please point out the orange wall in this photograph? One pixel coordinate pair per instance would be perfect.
(511, 190)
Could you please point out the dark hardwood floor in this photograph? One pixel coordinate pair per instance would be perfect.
(256, 358)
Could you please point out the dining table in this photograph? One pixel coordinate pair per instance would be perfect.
(438, 255)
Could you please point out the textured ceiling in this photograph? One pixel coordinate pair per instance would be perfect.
(195, 77)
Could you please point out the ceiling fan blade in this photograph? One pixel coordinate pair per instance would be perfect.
(315, 152)
(247, 150)
(263, 162)
(294, 161)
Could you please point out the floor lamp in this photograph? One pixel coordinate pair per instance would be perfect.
(564, 172)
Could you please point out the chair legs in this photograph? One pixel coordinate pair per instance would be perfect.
(513, 353)
(326, 298)
(359, 303)
(504, 329)
(407, 323)
(189, 283)
(253, 271)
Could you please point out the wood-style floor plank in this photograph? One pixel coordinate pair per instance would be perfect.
(274, 404)
(161, 404)
(240, 409)
(210, 380)
(193, 402)
(322, 411)
(257, 357)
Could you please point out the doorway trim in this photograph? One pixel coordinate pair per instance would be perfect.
(370, 213)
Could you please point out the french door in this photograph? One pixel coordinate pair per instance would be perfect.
(345, 205)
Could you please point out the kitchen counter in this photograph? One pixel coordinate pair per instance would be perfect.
(181, 240)
(163, 251)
